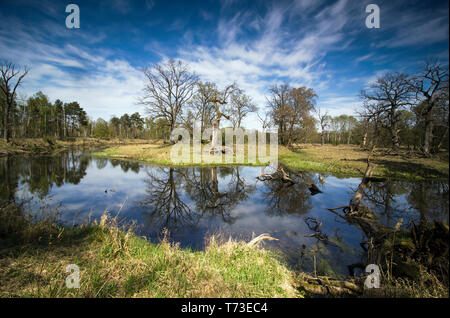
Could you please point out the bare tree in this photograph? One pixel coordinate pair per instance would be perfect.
(324, 121)
(219, 98)
(371, 114)
(11, 78)
(240, 105)
(169, 86)
(431, 85)
(279, 109)
(201, 105)
(389, 94)
(265, 121)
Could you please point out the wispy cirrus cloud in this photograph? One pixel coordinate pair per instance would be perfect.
(320, 44)
(102, 84)
(277, 53)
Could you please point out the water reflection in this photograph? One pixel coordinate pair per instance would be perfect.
(282, 197)
(41, 173)
(163, 203)
(409, 200)
(177, 197)
(202, 186)
(194, 202)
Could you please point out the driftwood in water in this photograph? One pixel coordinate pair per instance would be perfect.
(315, 225)
(255, 241)
(314, 189)
(285, 177)
(280, 174)
(355, 202)
(357, 213)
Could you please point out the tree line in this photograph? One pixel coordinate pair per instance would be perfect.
(175, 95)
(397, 110)
(409, 109)
(38, 117)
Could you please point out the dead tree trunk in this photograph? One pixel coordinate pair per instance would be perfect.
(216, 125)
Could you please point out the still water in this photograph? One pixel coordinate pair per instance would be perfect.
(194, 203)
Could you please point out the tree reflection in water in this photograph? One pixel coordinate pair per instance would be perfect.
(285, 198)
(126, 165)
(41, 173)
(178, 197)
(202, 185)
(429, 198)
(164, 202)
(194, 202)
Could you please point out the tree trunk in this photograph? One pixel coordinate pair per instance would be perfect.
(5, 124)
(215, 135)
(365, 140)
(428, 133)
(395, 138)
(440, 142)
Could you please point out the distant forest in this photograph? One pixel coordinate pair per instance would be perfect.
(396, 110)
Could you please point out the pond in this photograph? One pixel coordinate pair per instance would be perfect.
(194, 203)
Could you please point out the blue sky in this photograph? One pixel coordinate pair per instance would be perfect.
(320, 44)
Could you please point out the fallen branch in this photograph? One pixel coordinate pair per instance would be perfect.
(261, 238)
(280, 174)
(314, 189)
(323, 285)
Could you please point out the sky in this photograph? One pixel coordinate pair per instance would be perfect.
(320, 44)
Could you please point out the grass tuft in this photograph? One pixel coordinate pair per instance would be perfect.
(114, 262)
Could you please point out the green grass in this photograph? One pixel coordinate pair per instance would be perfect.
(114, 262)
(351, 161)
(160, 155)
(51, 145)
(341, 161)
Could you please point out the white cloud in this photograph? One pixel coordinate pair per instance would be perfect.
(103, 87)
(276, 55)
(289, 43)
(341, 105)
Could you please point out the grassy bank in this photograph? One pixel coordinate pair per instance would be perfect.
(342, 161)
(351, 160)
(51, 145)
(114, 262)
(160, 154)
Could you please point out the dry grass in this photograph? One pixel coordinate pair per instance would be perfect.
(426, 285)
(342, 160)
(114, 262)
(161, 154)
(51, 145)
(351, 160)
(141, 152)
